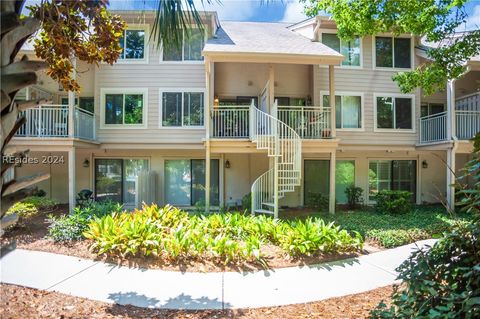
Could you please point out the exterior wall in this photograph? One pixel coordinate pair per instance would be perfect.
(249, 79)
(368, 81)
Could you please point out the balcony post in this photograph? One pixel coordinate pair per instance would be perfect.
(451, 135)
(210, 82)
(71, 179)
(331, 86)
(71, 104)
(451, 131)
(333, 166)
(271, 87)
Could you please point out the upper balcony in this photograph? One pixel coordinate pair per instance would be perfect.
(433, 128)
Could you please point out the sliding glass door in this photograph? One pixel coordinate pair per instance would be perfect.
(392, 175)
(316, 180)
(185, 182)
(115, 179)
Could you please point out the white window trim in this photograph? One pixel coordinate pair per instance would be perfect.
(183, 52)
(396, 130)
(353, 67)
(146, 28)
(408, 158)
(105, 91)
(362, 106)
(393, 68)
(180, 90)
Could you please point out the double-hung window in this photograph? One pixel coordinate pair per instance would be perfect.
(182, 109)
(348, 110)
(351, 49)
(133, 44)
(392, 175)
(394, 112)
(191, 49)
(123, 107)
(391, 52)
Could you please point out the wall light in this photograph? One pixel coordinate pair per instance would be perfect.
(227, 164)
(86, 163)
(424, 164)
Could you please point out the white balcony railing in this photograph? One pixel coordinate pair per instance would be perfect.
(309, 122)
(433, 128)
(467, 124)
(52, 121)
(231, 122)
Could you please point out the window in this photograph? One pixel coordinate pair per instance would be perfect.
(86, 103)
(392, 175)
(185, 182)
(344, 177)
(115, 179)
(394, 112)
(191, 49)
(182, 109)
(427, 109)
(350, 49)
(348, 110)
(393, 52)
(133, 44)
(124, 108)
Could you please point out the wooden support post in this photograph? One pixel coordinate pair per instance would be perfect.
(451, 136)
(331, 202)
(331, 87)
(71, 179)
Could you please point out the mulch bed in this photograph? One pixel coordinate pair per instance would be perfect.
(21, 302)
(31, 235)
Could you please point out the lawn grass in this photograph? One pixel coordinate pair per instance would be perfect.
(390, 231)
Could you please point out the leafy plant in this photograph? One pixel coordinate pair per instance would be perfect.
(393, 202)
(354, 196)
(247, 202)
(317, 200)
(31, 206)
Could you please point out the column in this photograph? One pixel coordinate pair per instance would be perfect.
(210, 78)
(207, 177)
(451, 136)
(333, 166)
(71, 104)
(331, 87)
(271, 86)
(451, 178)
(71, 179)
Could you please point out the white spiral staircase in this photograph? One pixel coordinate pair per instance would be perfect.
(284, 148)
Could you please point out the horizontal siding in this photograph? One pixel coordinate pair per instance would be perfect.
(367, 81)
(152, 76)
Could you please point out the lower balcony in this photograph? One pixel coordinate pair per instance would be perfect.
(309, 122)
(49, 121)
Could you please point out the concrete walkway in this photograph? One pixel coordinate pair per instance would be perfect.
(175, 290)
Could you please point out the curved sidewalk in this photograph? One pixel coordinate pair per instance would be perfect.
(175, 290)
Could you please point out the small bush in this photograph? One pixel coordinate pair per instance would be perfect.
(393, 202)
(247, 202)
(42, 203)
(31, 206)
(71, 227)
(317, 200)
(354, 196)
(40, 193)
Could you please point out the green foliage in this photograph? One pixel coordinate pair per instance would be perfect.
(396, 230)
(470, 195)
(354, 196)
(31, 206)
(71, 227)
(317, 200)
(443, 282)
(231, 237)
(393, 202)
(437, 21)
(247, 202)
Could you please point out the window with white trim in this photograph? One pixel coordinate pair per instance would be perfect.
(133, 44)
(348, 110)
(392, 175)
(191, 49)
(182, 109)
(349, 48)
(391, 52)
(394, 112)
(124, 108)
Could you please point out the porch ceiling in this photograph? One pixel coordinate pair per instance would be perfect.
(266, 42)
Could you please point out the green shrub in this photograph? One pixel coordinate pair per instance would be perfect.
(172, 233)
(443, 282)
(31, 206)
(71, 227)
(42, 203)
(317, 200)
(354, 196)
(247, 202)
(393, 202)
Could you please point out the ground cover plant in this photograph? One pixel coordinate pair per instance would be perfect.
(31, 206)
(71, 226)
(390, 231)
(230, 237)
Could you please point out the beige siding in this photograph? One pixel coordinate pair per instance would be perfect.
(368, 81)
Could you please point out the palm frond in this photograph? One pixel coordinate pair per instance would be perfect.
(173, 18)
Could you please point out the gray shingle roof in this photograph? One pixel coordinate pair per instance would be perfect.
(260, 37)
